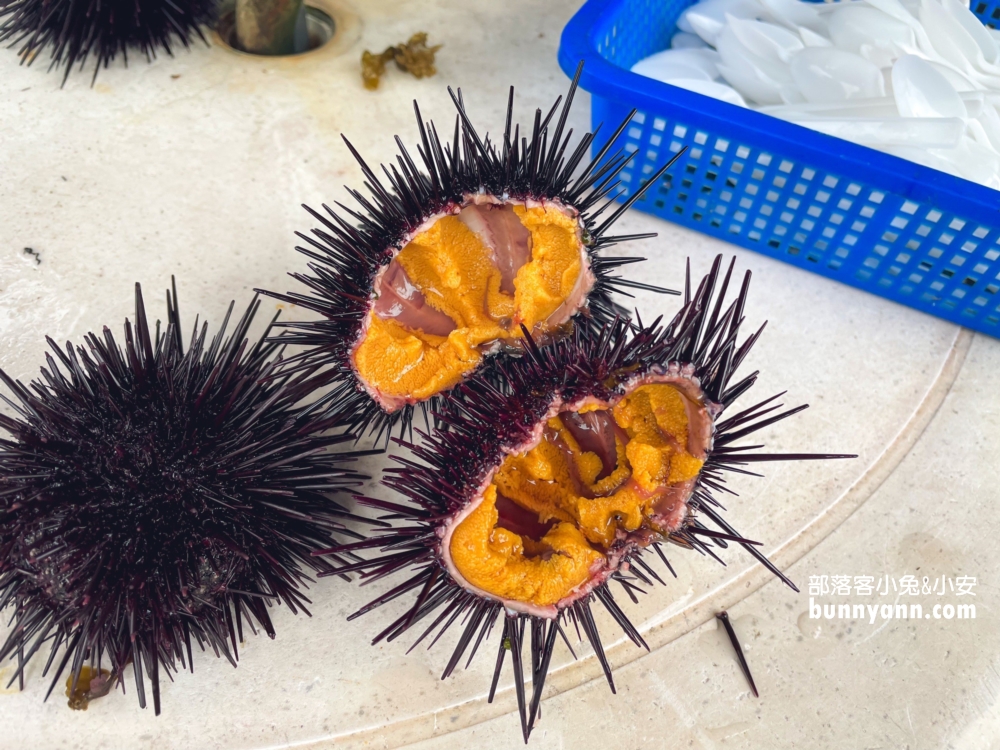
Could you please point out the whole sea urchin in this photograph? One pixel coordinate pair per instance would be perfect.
(154, 495)
(77, 29)
(553, 479)
(448, 264)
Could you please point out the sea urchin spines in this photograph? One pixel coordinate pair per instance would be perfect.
(555, 475)
(152, 495)
(75, 30)
(442, 265)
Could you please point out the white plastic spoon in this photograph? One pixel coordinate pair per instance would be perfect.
(760, 80)
(922, 132)
(921, 91)
(871, 33)
(987, 53)
(684, 40)
(990, 122)
(812, 39)
(713, 89)
(884, 107)
(834, 75)
(677, 63)
(895, 9)
(766, 40)
(708, 18)
(954, 44)
(795, 14)
(974, 162)
(956, 79)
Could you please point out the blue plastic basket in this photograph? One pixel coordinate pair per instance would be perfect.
(903, 231)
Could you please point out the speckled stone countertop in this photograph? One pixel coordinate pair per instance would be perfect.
(196, 166)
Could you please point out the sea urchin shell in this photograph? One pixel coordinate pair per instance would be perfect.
(77, 29)
(153, 496)
(556, 476)
(450, 262)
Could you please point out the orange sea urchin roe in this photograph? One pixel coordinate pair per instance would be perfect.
(580, 514)
(656, 420)
(495, 559)
(457, 275)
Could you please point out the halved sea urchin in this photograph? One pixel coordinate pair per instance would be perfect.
(154, 495)
(73, 30)
(452, 261)
(557, 475)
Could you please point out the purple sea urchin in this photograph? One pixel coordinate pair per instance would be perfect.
(557, 475)
(452, 260)
(103, 28)
(152, 496)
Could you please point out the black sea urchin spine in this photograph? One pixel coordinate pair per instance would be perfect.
(76, 29)
(153, 496)
(491, 416)
(345, 258)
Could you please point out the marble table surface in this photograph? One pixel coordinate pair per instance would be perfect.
(196, 166)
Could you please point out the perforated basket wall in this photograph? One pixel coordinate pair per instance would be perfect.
(905, 232)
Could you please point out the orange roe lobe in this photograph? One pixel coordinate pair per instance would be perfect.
(456, 273)
(577, 518)
(501, 562)
(557, 258)
(655, 417)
